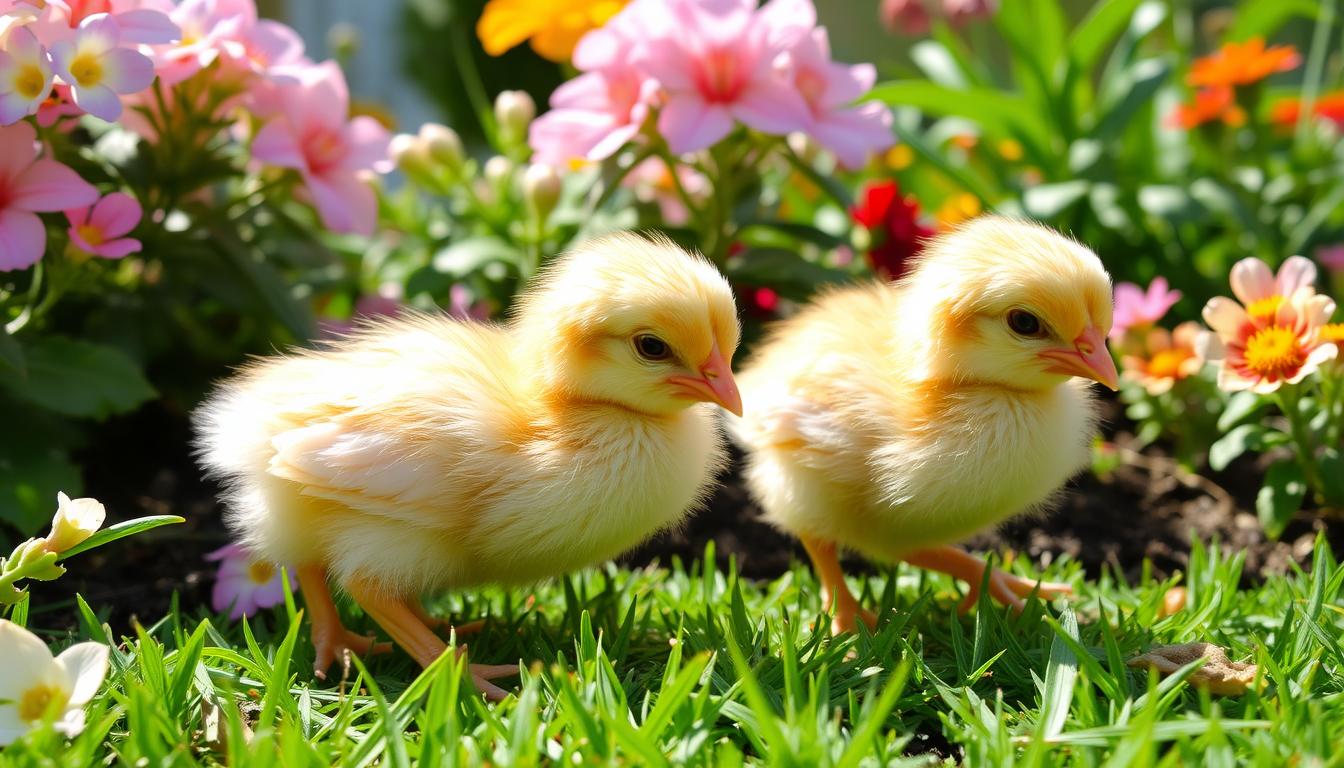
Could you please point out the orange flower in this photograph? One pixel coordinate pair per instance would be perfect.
(553, 26)
(1168, 357)
(1242, 64)
(1210, 104)
(1329, 106)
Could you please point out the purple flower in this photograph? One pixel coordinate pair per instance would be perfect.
(1134, 308)
(244, 585)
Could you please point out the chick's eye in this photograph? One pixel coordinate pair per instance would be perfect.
(1023, 323)
(651, 347)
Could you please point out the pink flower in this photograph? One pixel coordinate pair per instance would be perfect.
(1263, 352)
(244, 586)
(1262, 291)
(906, 17)
(208, 28)
(97, 68)
(28, 185)
(1331, 257)
(715, 63)
(462, 304)
(851, 133)
(99, 229)
(25, 76)
(137, 24)
(56, 106)
(1136, 309)
(311, 134)
(591, 117)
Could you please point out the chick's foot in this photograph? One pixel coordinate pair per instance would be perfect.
(835, 595)
(331, 640)
(398, 617)
(1003, 586)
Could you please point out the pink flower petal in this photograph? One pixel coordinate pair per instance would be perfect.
(147, 26)
(18, 149)
(99, 101)
(98, 33)
(116, 249)
(1225, 316)
(227, 552)
(345, 203)
(276, 144)
(116, 214)
(22, 239)
(689, 124)
(127, 71)
(14, 107)
(47, 185)
(368, 141)
(1251, 280)
(1297, 272)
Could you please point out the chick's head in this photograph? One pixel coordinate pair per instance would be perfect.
(636, 322)
(1015, 304)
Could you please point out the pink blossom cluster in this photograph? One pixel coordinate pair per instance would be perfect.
(698, 68)
(60, 59)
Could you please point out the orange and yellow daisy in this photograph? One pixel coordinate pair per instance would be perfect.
(553, 27)
(1329, 107)
(1166, 358)
(1242, 64)
(1210, 104)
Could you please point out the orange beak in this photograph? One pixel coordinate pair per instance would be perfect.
(716, 384)
(1089, 359)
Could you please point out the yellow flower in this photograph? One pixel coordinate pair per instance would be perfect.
(956, 209)
(899, 157)
(1166, 358)
(553, 26)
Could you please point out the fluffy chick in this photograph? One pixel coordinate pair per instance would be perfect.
(428, 453)
(894, 419)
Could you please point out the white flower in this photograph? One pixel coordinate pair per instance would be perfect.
(34, 686)
(75, 521)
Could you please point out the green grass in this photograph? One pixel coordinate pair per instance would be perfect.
(698, 667)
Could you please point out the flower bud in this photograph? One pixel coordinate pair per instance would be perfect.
(412, 158)
(74, 522)
(499, 171)
(444, 146)
(514, 111)
(541, 189)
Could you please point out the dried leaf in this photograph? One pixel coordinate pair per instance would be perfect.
(1219, 674)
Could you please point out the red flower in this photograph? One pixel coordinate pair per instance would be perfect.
(893, 224)
(1329, 106)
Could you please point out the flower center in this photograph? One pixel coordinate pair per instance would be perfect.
(324, 149)
(260, 572)
(812, 86)
(719, 80)
(91, 234)
(1263, 310)
(30, 82)
(1167, 363)
(87, 70)
(1274, 353)
(37, 701)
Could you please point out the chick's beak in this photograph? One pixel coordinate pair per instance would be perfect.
(714, 385)
(1089, 359)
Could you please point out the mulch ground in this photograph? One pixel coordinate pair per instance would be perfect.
(140, 465)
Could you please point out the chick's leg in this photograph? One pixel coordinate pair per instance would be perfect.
(1003, 586)
(398, 618)
(834, 591)
(330, 638)
(444, 625)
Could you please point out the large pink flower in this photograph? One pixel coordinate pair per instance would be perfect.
(1263, 353)
(244, 585)
(1262, 291)
(828, 88)
(100, 229)
(591, 117)
(209, 28)
(313, 136)
(98, 69)
(1135, 308)
(29, 185)
(715, 63)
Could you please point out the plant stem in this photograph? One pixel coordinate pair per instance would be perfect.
(1289, 400)
(1311, 82)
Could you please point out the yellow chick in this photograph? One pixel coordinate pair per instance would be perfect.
(894, 419)
(428, 453)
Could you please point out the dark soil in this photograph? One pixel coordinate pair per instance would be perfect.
(141, 465)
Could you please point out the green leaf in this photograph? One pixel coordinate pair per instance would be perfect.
(1061, 672)
(1239, 407)
(1280, 497)
(1139, 83)
(467, 256)
(1240, 440)
(1331, 472)
(77, 378)
(1095, 33)
(11, 355)
(786, 271)
(269, 285)
(1046, 201)
(938, 64)
(1261, 18)
(999, 113)
(29, 482)
(805, 232)
(121, 531)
